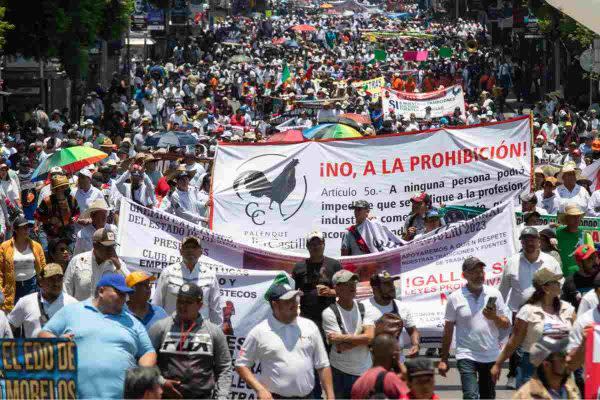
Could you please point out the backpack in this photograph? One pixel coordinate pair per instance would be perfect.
(338, 316)
(377, 392)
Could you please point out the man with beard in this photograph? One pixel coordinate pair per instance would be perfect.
(552, 376)
(478, 321)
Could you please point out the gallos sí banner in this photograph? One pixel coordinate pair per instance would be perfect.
(38, 369)
(430, 268)
(272, 195)
(442, 102)
(592, 363)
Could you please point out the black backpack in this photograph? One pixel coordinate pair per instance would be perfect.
(377, 392)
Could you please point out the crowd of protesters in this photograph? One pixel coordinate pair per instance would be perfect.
(141, 336)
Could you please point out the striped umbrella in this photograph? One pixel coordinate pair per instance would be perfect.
(331, 131)
(70, 159)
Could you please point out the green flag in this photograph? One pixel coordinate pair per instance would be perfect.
(285, 74)
(445, 52)
(380, 55)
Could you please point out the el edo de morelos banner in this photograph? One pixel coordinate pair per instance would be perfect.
(272, 195)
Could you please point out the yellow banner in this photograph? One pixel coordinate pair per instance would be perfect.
(373, 86)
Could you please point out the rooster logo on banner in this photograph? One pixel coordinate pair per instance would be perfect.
(253, 184)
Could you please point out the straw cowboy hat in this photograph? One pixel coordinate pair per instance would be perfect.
(97, 205)
(571, 209)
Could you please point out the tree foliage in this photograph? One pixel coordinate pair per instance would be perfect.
(570, 31)
(4, 27)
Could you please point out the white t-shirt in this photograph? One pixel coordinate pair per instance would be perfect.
(477, 338)
(576, 336)
(588, 301)
(354, 361)
(27, 312)
(24, 264)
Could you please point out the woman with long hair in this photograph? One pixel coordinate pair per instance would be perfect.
(543, 314)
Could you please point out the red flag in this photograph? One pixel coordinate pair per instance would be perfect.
(309, 72)
(592, 363)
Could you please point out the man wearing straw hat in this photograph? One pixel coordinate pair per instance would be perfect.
(569, 236)
(570, 192)
(97, 213)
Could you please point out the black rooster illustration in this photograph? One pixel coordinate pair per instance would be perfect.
(258, 185)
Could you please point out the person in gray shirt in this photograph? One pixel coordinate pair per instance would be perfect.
(193, 355)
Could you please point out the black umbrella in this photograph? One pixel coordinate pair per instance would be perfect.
(170, 138)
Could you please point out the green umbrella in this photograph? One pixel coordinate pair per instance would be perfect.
(71, 159)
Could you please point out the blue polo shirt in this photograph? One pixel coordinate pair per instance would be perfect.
(107, 345)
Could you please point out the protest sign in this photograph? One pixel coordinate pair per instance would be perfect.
(592, 363)
(273, 195)
(38, 369)
(372, 86)
(442, 102)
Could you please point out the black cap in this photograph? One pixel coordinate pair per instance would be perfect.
(191, 290)
(382, 276)
(419, 366)
(471, 263)
(549, 233)
(529, 231)
(360, 204)
(281, 291)
(20, 221)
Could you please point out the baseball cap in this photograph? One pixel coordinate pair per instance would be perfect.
(584, 252)
(529, 231)
(51, 270)
(472, 262)
(549, 233)
(20, 221)
(343, 276)
(419, 366)
(530, 214)
(543, 276)
(191, 290)
(382, 276)
(282, 291)
(138, 276)
(545, 347)
(116, 281)
(85, 172)
(360, 204)
(314, 234)
(105, 237)
(183, 174)
(527, 197)
(432, 214)
(419, 197)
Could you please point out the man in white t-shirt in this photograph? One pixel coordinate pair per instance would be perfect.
(384, 301)
(478, 321)
(349, 332)
(32, 311)
(578, 334)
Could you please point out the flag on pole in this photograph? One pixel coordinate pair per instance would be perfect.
(378, 55)
(308, 75)
(285, 74)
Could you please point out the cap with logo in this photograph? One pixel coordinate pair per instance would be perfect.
(116, 281)
(544, 276)
(419, 366)
(418, 198)
(381, 277)
(344, 276)
(545, 347)
(314, 234)
(584, 252)
(50, 270)
(191, 290)
(138, 276)
(529, 231)
(360, 204)
(282, 291)
(105, 237)
(471, 263)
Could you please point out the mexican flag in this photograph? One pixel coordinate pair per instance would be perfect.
(285, 75)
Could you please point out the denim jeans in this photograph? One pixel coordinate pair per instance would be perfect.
(342, 383)
(476, 379)
(23, 288)
(524, 370)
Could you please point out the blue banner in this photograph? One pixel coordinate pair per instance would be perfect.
(38, 368)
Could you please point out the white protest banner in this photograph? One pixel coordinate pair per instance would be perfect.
(442, 102)
(150, 239)
(273, 195)
(373, 86)
(431, 268)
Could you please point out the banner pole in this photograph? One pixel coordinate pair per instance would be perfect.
(532, 175)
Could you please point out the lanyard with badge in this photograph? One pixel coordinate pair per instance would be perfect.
(43, 315)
